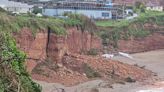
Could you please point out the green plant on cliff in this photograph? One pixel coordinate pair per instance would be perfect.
(139, 7)
(90, 73)
(93, 51)
(83, 24)
(82, 21)
(16, 23)
(35, 24)
(13, 75)
(125, 29)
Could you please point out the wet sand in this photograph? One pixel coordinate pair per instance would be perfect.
(152, 60)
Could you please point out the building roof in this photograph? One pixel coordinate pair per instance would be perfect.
(81, 5)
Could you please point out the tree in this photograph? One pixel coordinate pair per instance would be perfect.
(139, 7)
(37, 10)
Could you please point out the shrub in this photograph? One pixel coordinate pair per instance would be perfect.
(129, 79)
(37, 10)
(13, 76)
(91, 73)
(93, 51)
(2, 10)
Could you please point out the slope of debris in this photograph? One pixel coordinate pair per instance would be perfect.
(75, 69)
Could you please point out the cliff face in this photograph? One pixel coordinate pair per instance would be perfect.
(52, 46)
(55, 58)
(34, 47)
(79, 42)
(151, 42)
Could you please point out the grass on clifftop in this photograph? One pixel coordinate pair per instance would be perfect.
(57, 25)
(16, 23)
(158, 18)
(112, 23)
(125, 29)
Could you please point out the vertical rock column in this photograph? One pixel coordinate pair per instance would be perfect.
(56, 47)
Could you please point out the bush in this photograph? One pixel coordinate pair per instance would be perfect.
(2, 10)
(93, 52)
(13, 76)
(129, 79)
(37, 10)
(91, 73)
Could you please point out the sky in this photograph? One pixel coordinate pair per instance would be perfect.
(3, 1)
(11, 3)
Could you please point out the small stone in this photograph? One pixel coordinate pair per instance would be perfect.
(59, 65)
(84, 74)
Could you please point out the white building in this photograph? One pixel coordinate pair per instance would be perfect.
(88, 9)
(96, 14)
(17, 7)
(154, 6)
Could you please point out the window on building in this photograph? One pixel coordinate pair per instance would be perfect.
(104, 14)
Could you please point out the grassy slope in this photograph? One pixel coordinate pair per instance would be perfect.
(142, 18)
(16, 23)
(111, 23)
(13, 75)
(124, 29)
(58, 26)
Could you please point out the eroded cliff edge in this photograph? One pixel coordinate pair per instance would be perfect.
(42, 46)
(63, 59)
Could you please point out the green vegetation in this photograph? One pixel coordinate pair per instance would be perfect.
(37, 10)
(112, 23)
(93, 51)
(148, 16)
(139, 7)
(151, 17)
(129, 79)
(49, 64)
(13, 76)
(16, 23)
(57, 25)
(2, 10)
(125, 29)
(82, 22)
(91, 73)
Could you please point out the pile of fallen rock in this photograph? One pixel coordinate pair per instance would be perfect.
(75, 68)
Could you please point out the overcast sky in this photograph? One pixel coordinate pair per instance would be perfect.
(3, 1)
(11, 3)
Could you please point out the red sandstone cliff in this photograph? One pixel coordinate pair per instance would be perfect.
(45, 50)
(40, 47)
(151, 42)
